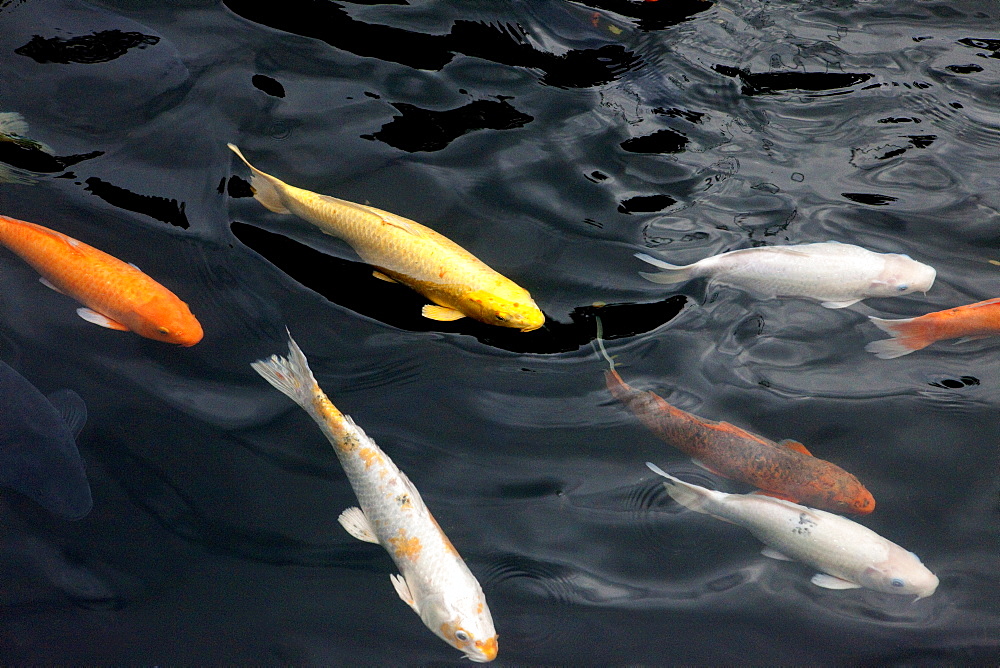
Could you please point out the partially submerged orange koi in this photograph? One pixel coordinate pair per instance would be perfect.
(115, 294)
(785, 469)
(972, 321)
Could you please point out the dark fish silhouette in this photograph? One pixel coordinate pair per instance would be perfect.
(38, 453)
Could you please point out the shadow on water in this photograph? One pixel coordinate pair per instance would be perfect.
(352, 285)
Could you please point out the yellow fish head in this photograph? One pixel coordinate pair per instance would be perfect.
(518, 312)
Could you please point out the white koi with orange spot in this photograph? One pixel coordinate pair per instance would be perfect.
(434, 579)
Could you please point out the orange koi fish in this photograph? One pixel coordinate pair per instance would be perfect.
(785, 469)
(972, 321)
(115, 294)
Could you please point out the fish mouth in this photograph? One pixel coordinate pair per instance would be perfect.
(531, 328)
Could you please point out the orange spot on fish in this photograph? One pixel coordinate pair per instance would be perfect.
(369, 456)
(405, 547)
(488, 648)
(447, 543)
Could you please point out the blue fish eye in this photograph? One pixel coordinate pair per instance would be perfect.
(897, 582)
(903, 287)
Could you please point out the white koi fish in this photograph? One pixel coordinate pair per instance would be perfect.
(435, 581)
(836, 274)
(848, 555)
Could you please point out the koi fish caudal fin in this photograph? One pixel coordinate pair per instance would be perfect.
(290, 375)
(905, 340)
(689, 496)
(672, 273)
(265, 187)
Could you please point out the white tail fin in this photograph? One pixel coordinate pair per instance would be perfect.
(888, 349)
(266, 187)
(686, 494)
(291, 375)
(672, 273)
(13, 123)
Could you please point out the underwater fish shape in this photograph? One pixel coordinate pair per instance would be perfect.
(833, 273)
(115, 294)
(434, 579)
(38, 453)
(786, 469)
(407, 252)
(966, 323)
(847, 554)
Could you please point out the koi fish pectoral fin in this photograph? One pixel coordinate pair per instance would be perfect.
(832, 582)
(382, 277)
(98, 319)
(795, 446)
(442, 313)
(772, 553)
(843, 304)
(978, 337)
(47, 283)
(356, 523)
(399, 584)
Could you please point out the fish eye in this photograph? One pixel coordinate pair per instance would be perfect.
(462, 635)
(501, 318)
(897, 582)
(902, 287)
(163, 330)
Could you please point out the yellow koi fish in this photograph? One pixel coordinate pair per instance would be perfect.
(407, 252)
(435, 581)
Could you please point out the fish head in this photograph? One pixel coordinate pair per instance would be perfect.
(517, 311)
(463, 622)
(171, 323)
(901, 573)
(902, 275)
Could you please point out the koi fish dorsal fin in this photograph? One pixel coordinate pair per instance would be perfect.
(774, 495)
(392, 219)
(795, 446)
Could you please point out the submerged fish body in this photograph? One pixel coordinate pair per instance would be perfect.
(846, 554)
(972, 321)
(434, 580)
(784, 469)
(38, 453)
(405, 251)
(833, 273)
(116, 295)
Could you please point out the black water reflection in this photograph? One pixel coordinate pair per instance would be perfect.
(505, 43)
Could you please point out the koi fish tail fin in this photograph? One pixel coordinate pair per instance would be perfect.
(688, 495)
(600, 343)
(671, 274)
(290, 375)
(265, 186)
(906, 338)
(13, 123)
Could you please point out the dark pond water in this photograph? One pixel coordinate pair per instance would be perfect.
(554, 140)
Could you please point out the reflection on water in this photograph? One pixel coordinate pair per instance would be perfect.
(554, 140)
